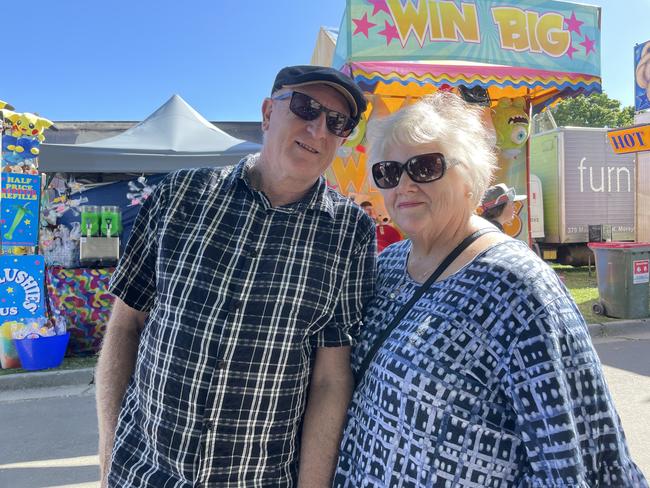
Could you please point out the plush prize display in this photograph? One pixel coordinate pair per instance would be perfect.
(512, 125)
(26, 132)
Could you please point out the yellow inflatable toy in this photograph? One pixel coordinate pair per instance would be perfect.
(511, 124)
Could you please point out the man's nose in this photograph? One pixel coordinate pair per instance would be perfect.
(318, 127)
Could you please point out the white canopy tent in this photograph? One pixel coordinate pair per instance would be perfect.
(174, 136)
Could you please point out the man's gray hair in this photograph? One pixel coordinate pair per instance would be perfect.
(446, 120)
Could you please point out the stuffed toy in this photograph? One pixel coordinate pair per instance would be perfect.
(28, 130)
(140, 190)
(512, 125)
(53, 209)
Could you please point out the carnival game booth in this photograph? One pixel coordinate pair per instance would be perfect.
(515, 58)
(104, 181)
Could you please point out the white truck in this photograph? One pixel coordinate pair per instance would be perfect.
(588, 192)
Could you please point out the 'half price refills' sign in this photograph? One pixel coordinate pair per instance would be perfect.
(19, 209)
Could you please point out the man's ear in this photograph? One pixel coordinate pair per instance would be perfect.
(267, 108)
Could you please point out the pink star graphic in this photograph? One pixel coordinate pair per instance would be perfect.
(570, 51)
(378, 6)
(389, 32)
(588, 45)
(573, 24)
(362, 25)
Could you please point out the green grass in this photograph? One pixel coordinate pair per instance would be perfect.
(583, 288)
(68, 363)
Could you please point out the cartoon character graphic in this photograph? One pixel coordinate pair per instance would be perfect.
(642, 73)
(512, 125)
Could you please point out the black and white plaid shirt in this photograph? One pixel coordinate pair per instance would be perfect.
(238, 294)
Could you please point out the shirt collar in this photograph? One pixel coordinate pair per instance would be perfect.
(319, 196)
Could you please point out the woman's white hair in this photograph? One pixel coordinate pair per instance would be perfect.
(452, 124)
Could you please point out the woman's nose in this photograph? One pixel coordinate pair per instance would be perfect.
(406, 184)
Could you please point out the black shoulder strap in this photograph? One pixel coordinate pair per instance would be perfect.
(416, 296)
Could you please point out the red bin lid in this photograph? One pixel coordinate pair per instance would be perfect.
(617, 245)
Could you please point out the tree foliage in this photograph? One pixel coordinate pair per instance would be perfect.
(592, 111)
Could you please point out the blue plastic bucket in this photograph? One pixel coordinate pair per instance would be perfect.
(43, 352)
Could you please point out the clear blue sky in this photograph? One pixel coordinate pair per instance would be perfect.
(120, 60)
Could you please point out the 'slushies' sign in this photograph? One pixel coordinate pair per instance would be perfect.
(21, 287)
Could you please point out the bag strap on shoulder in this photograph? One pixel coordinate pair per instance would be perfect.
(416, 296)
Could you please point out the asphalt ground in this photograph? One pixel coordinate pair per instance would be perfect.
(51, 438)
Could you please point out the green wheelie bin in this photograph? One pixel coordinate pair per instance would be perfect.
(622, 270)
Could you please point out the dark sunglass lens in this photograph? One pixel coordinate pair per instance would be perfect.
(308, 109)
(304, 106)
(426, 167)
(339, 124)
(386, 174)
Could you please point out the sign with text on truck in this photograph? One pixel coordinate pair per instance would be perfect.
(584, 183)
(630, 139)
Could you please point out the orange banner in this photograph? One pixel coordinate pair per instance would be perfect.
(630, 139)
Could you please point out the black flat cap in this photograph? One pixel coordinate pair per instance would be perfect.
(293, 76)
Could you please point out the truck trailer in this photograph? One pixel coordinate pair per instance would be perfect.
(588, 192)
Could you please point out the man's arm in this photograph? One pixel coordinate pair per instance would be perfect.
(330, 391)
(114, 369)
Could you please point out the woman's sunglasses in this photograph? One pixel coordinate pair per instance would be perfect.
(308, 109)
(423, 168)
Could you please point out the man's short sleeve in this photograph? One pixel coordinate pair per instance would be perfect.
(134, 280)
(357, 289)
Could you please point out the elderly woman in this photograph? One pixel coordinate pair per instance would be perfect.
(483, 376)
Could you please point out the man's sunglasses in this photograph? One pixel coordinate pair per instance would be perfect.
(308, 109)
(423, 168)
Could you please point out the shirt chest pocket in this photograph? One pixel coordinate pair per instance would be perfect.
(300, 283)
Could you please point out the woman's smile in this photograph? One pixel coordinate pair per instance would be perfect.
(409, 204)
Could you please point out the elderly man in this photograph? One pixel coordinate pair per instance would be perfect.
(226, 358)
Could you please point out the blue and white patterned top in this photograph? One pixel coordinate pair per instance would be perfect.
(491, 380)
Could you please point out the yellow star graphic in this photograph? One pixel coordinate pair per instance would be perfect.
(10, 290)
(27, 221)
